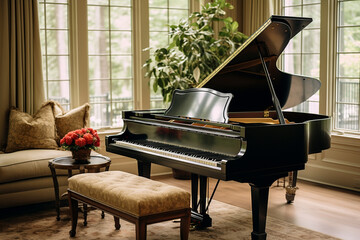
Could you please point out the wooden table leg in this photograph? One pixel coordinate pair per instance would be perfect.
(56, 189)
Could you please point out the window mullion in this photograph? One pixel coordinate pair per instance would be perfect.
(79, 90)
(140, 26)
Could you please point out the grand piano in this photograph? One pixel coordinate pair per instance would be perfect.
(232, 126)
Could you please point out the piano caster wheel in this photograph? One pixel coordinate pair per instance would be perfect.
(290, 197)
(199, 221)
(290, 194)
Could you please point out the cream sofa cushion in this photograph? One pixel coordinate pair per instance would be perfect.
(130, 193)
(27, 164)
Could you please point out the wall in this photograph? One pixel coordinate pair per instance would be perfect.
(338, 166)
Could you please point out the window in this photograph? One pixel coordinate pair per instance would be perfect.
(110, 60)
(162, 14)
(112, 73)
(348, 66)
(54, 33)
(302, 55)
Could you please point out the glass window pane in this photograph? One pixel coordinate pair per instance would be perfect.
(120, 42)
(349, 39)
(122, 90)
(347, 90)
(121, 2)
(56, 16)
(176, 15)
(117, 108)
(98, 2)
(99, 90)
(310, 40)
(158, 40)
(120, 18)
(349, 13)
(312, 11)
(294, 46)
(293, 11)
(292, 63)
(347, 116)
(99, 42)
(311, 1)
(157, 3)
(348, 65)
(57, 42)
(311, 65)
(59, 91)
(41, 15)
(179, 4)
(43, 43)
(158, 20)
(98, 18)
(121, 66)
(99, 67)
(58, 67)
(100, 114)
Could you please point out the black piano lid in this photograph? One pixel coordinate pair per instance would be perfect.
(242, 74)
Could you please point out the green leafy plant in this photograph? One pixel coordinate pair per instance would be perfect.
(195, 49)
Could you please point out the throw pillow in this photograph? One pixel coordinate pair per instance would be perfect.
(74, 119)
(37, 131)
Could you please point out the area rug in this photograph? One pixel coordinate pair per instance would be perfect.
(229, 223)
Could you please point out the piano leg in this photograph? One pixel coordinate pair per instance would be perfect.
(291, 188)
(144, 168)
(194, 191)
(259, 201)
(199, 218)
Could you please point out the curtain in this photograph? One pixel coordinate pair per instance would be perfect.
(21, 80)
(256, 12)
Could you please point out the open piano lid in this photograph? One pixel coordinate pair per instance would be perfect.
(242, 74)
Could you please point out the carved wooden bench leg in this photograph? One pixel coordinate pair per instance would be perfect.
(140, 230)
(117, 223)
(185, 226)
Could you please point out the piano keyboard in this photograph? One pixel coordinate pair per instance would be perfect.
(173, 151)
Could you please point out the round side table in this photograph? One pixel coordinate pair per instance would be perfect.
(95, 163)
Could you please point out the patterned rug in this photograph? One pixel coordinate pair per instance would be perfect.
(229, 222)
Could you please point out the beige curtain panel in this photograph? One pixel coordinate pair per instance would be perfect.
(256, 12)
(21, 79)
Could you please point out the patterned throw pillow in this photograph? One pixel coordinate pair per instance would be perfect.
(26, 131)
(74, 119)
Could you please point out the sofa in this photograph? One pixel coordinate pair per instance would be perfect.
(32, 141)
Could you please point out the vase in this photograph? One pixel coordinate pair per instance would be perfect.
(81, 155)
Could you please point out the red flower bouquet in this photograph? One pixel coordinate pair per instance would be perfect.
(80, 142)
(85, 138)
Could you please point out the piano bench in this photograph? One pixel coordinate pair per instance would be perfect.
(136, 199)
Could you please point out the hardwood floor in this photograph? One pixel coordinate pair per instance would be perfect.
(325, 209)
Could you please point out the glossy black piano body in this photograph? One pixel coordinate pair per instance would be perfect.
(242, 151)
(202, 132)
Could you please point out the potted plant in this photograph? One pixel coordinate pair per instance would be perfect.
(80, 142)
(195, 49)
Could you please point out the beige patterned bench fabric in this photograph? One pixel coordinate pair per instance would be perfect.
(130, 193)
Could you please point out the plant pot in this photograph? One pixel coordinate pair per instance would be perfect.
(81, 155)
(180, 174)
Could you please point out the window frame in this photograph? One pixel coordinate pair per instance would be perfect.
(78, 40)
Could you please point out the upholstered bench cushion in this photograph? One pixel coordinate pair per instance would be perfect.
(27, 164)
(130, 193)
